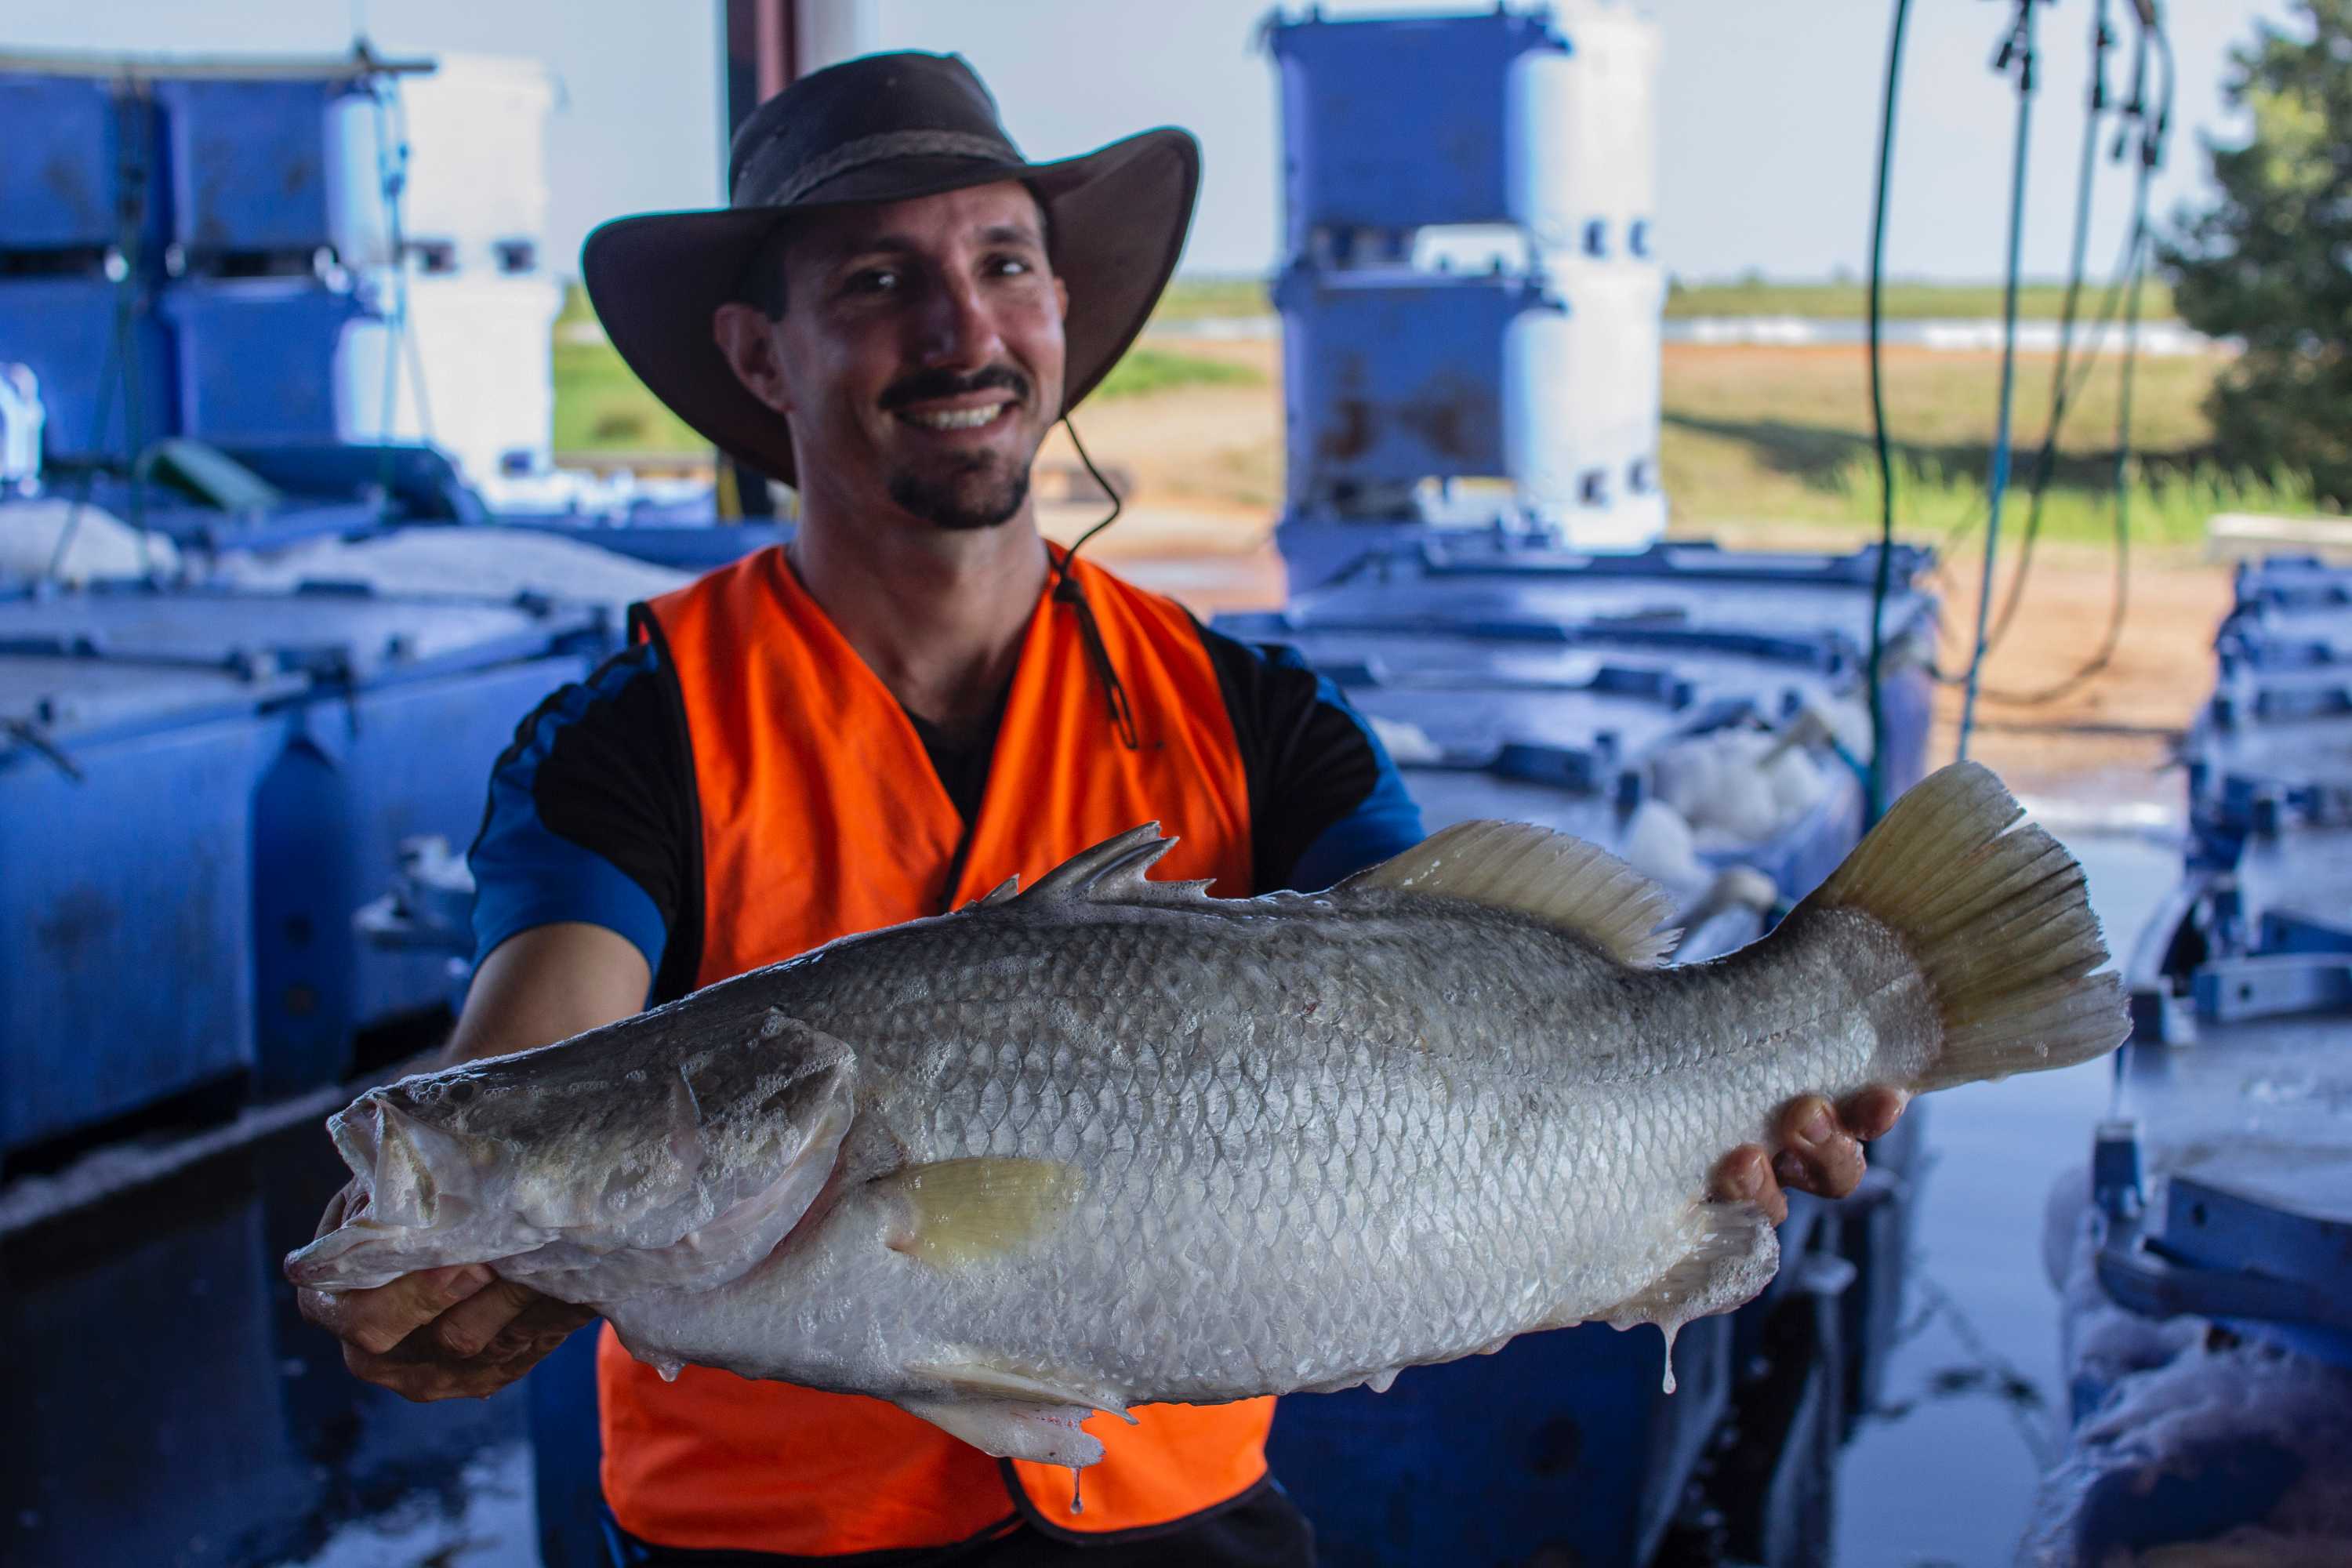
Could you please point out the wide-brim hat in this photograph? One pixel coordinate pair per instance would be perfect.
(883, 128)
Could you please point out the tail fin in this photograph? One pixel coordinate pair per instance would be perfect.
(1996, 916)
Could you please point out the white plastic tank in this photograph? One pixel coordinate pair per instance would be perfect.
(474, 192)
(1580, 405)
(1582, 147)
(474, 373)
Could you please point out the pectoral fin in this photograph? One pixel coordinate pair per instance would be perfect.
(965, 1212)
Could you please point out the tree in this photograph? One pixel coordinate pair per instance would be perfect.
(2271, 262)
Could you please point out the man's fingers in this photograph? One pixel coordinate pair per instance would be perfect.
(1817, 1154)
(1745, 1175)
(375, 1320)
(1871, 1114)
(468, 1328)
(421, 1368)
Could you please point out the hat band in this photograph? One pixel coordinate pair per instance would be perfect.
(880, 149)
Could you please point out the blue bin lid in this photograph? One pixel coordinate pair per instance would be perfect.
(1726, 679)
(2293, 582)
(52, 703)
(345, 635)
(2272, 636)
(1808, 611)
(2254, 1154)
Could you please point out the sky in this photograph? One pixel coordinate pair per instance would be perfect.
(1768, 109)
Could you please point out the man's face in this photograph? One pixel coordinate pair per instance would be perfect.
(919, 354)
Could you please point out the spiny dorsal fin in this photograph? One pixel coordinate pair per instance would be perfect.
(1554, 877)
(1112, 872)
(1004, 892)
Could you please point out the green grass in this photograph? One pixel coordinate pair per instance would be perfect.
(1193, 298)
(2169, 505)
(1767, 433)
(601, 406)
(1147, 370)
(1903, 301)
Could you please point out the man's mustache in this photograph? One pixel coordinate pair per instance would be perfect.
(925, 385)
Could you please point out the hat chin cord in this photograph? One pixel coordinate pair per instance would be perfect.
(1069, 591)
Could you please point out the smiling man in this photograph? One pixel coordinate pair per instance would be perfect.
(915, 699)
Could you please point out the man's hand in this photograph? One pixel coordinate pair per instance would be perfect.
(458, 1333)
(1820, 1150)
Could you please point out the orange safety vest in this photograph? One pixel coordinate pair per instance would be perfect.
(821, 815)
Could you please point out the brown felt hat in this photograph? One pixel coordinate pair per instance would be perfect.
(883, 128)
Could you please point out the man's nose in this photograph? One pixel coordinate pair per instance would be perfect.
(958, 328)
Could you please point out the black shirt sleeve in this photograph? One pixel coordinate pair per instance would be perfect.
(1325, 798)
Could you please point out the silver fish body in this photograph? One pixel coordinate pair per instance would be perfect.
(1111, 1141)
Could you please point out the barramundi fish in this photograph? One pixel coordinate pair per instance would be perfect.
(1108, 1141)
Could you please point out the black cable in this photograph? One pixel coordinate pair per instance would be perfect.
(2017, 51)
(1883, 581)
(2045, 459)
(1069, 591)
(2152, 142)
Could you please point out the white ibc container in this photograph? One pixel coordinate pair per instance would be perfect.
(1583, 148)
(1580, 405)
(475, 195)
(475, 373)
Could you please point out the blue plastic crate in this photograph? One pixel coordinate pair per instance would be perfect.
(688, 546)
(407, 704)
(81, 149)
(66, 329)
(1364, 101)
(2271, 749)
(256, 357)
(2291, 583)
(126, 868)
(250, 163)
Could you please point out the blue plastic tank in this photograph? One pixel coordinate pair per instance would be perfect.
(404, 705)
(126, 868)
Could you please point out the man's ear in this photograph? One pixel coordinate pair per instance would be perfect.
(1062, 296)
(747, 338)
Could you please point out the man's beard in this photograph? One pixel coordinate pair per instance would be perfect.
(977, 495)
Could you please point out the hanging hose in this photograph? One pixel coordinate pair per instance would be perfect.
(2154, 129)
(2017, 51)
(1882, 582)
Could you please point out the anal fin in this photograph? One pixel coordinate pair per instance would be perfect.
(1013, 1429)
(981, 1380)
(1732, 1254)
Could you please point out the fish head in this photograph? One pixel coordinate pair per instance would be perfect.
(588, 1170)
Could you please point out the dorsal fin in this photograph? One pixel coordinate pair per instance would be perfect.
(1554, 877)
(1112, 872)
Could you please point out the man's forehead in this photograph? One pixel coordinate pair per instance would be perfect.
(996, 213)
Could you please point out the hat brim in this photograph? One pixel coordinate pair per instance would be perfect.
(1117, 219)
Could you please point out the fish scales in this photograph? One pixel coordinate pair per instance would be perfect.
(1110, 1142)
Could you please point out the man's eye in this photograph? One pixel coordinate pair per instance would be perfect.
(874, 280)
(1010, 267)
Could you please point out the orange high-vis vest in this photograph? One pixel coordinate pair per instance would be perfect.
(821, 815)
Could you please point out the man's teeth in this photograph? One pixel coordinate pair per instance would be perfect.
(953, 418)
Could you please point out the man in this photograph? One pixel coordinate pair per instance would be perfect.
(915, 699)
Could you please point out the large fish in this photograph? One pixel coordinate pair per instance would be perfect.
(1109, 1141)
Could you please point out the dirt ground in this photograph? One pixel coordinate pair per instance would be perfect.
(1205, 468)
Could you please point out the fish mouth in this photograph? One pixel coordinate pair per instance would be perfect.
(418, 1187)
